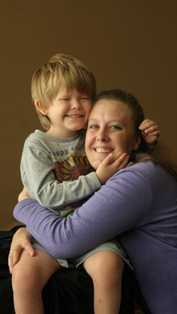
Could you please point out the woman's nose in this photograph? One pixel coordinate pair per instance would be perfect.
(102, 136)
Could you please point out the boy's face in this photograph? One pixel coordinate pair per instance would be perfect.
(68, 112)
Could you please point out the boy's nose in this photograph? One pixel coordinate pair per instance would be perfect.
(76, 104)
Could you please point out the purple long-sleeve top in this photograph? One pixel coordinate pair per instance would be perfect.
(139, 204)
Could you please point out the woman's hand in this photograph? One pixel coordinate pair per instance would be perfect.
(21, 240)
(23, 195)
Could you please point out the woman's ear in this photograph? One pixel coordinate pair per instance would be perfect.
(40, 108)
(137, 143)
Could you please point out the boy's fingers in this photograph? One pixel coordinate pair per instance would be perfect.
(107, 161)
(124, 164)
(111, 158)
(122, 161)
(120, 156)
(152, 133)
(151, 129)
(155, 133)
(148, 125)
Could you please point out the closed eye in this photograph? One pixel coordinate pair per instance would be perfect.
(64, 98)
(85, 98)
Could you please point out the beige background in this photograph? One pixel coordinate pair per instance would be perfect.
(127, 44)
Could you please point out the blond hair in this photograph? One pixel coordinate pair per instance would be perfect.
(61, 70)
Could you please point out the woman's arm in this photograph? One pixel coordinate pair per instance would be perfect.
(121, 204)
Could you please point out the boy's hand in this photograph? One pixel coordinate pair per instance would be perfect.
(149, 131)
(21, 240)
(110, 165)
(23, 195)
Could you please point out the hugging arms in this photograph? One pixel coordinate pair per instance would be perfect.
(133, 204)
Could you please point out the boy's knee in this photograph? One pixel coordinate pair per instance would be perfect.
(106, 265)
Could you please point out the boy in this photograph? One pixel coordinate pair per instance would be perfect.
(56, 172)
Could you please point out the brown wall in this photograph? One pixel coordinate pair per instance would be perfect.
(127, 44)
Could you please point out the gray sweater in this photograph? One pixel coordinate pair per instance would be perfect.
(55, 171)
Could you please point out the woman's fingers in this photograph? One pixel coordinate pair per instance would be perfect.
(14, 257)
(21, 241)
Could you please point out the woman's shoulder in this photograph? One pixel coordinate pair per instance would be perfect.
(151, 174)
(147, 168)
(144, 172)
(147, 165)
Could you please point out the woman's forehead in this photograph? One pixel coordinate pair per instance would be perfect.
(112, 109)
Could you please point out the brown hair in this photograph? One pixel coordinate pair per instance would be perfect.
(157, 153)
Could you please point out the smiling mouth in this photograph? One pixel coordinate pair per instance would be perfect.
(103, 149)
(74, 116)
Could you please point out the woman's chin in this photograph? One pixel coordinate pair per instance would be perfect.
(95, 163)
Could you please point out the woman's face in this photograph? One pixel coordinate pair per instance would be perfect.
(110, 130)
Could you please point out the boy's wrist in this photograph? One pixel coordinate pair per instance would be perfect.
(153, 145)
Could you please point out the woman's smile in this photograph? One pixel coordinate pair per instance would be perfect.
(110, 130)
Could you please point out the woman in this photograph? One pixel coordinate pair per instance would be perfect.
(138, 204)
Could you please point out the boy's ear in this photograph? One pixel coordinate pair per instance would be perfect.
(39, 107)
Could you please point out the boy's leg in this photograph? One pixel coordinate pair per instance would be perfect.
(105, 269)
(29, 277)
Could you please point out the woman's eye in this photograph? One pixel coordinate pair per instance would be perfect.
(115, 127)
(93, 127)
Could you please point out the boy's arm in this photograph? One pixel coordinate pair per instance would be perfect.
(52, 194)
(150, 131)
(39, 179)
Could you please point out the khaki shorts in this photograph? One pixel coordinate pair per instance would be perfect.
(112, 245)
